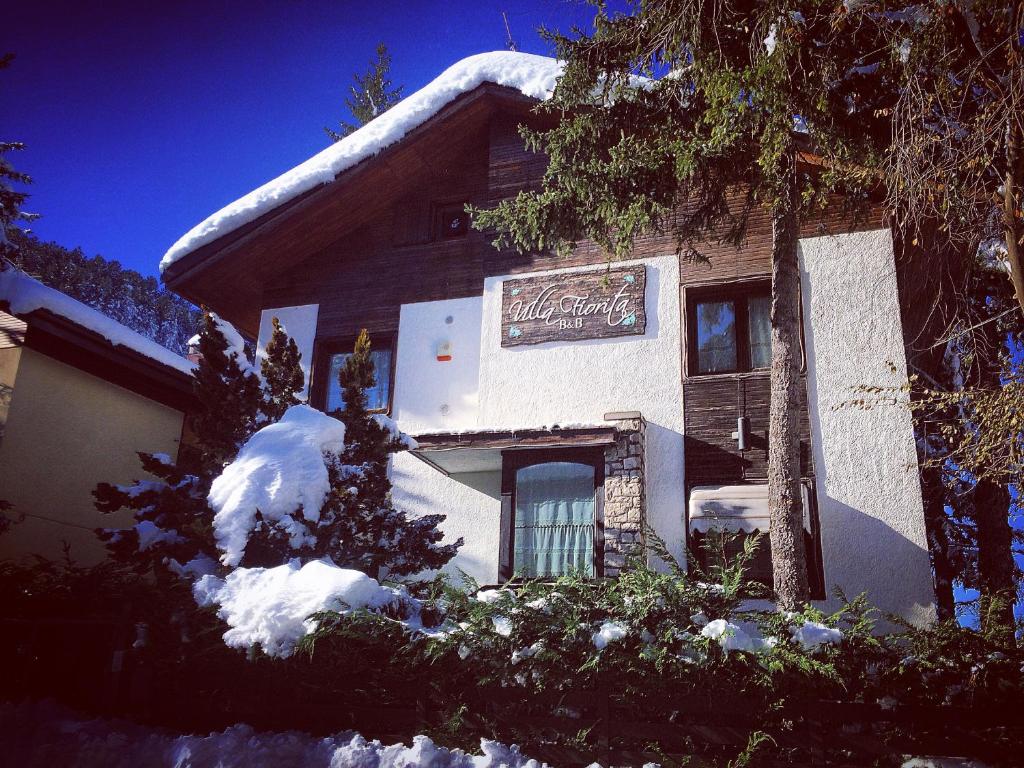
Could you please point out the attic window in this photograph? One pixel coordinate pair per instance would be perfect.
(452, 221)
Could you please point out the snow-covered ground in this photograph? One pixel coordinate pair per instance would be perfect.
(45, 735)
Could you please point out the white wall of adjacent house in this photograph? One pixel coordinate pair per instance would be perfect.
(486, 385)
(869, 498)
(299, 323)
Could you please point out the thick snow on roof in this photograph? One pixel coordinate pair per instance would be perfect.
(25, 295)
(532, 75)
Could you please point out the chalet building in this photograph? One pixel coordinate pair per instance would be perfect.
(563, 404)
(80, 395)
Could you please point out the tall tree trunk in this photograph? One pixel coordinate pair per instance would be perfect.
(1011, 204)
(936, 525)
(789, 560)
(995, 560)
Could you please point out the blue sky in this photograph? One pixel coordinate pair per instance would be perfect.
(141, 119)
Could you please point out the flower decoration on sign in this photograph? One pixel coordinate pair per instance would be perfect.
(629, 279)
(516, 291)
(629, 319)
(514, 332)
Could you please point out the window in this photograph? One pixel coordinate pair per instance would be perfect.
(551, 513)
(722, 516)
(730, 329)
(452, 220)
(331, 359)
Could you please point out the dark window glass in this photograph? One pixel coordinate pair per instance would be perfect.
(730, 330)
(378, 397)
(716, 336)
(452, 220)
(554, 519)
(760, 327)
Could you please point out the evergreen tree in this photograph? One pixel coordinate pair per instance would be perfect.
(359, 526)
(10, 199)
(372, 94)
(229, 395)
(134, 300)
(734, 97)
(364, 529)
(282, 374)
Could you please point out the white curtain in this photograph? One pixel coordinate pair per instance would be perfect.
(760, 322)
(554, 523)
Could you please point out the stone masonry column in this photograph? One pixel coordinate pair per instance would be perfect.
(625, 499)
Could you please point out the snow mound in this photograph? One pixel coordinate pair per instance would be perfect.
(270, 607)
(279, 471)
(37, 734)
(23, 295)
(531, 75)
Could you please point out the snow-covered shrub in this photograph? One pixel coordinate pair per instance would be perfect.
(265, 481)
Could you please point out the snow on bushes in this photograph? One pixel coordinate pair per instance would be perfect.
(277, 473)
(271, 607)
(46, 734)
(812, 634)
(609, 632)
(731, 637)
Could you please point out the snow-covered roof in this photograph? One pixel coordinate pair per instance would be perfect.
(531, 75)
(24, 294)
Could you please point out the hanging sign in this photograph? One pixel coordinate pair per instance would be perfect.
(574, 306)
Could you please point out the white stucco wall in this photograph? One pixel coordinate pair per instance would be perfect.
(299, 323)
(431, 395)
(869, 498)
(471, 503)
(565, 382)
(533, 386)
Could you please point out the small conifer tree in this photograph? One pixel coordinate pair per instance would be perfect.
(282, 375)
(372, 94)
(229, 394)
(360, 526)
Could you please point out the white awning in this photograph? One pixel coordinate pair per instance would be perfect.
(735, 508)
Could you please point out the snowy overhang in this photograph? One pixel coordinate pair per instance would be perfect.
(481, 450)
(531, 75)
(24, 296)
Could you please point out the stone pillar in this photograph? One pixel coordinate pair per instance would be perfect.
(625, 500)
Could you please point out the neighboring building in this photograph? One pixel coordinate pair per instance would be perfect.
(559, 406)
(81, 395)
